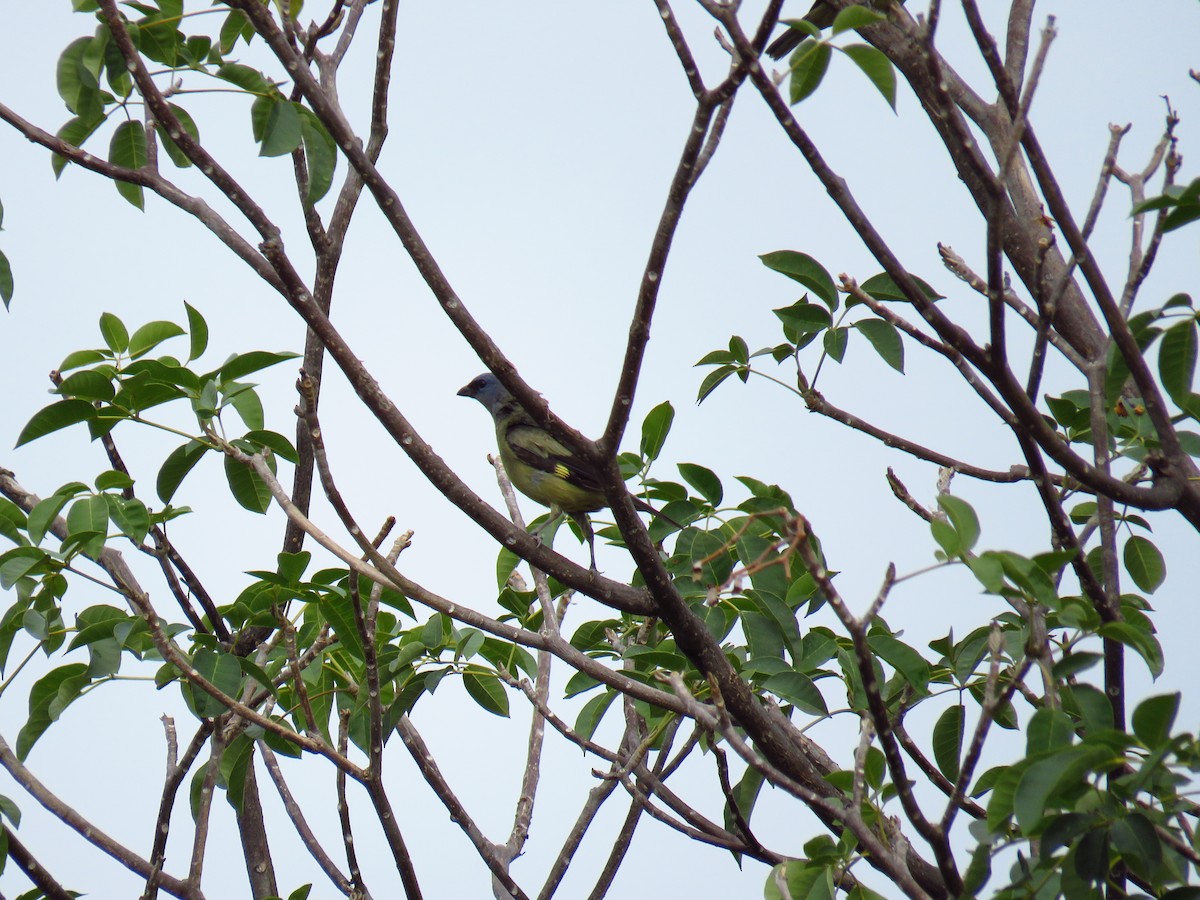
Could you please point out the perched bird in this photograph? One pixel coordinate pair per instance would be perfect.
(539, 465)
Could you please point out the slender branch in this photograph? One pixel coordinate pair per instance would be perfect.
(428, 767)
(89, 832)
(296, 815)
(343, 805)
(176, 773)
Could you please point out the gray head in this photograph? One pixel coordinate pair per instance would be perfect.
(488, 390)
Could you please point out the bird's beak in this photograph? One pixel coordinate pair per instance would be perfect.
(464, 391)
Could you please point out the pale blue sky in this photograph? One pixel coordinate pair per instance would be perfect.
(532, 144)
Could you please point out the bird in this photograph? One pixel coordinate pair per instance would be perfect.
(542, 467)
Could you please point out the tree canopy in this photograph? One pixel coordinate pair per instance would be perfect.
(925, 668)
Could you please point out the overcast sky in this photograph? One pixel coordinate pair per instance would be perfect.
(532, 144)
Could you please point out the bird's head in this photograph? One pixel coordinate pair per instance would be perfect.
(488, 390)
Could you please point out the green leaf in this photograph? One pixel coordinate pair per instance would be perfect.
(87, 385)
(947, 741)
(114, 332)
(235, 762)
(49, 696)
(176, 467)
(275, 442)
(339, 612)
(1154, 718)
(74, 132)
(77, 85)
(901, 657)
(1048, 730)
(320, 155)
(705, 481)
(655, 428)
(882, 287)
(128, 149)
(83, 358)
(962, 517)
(1177, 358)
(876, 66)
(1142, 641)
(246, 78)
(19, 562)
(150, 336)
(1053, 782)
(168, 138)
(808, 65)
(198, 331)
(42, 516)
(243, 364)
(593, 711)
(487, 691)
(6, 279)
(248, 489)
(712, 380)
(799, 690)
(803, 268)
(281, 128)
(88, 515)
(54, 417)
(884, 337)
(130, 515)
(802, 319)
(235, 26)
(1136, 839)
(1144, 563)
(245, 400)
(835, 342)
(855, 17)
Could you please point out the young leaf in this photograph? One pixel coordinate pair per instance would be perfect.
(705, 481)
(115, 335)
(803, 268)
(593, 711)
(876, 67)
(1144, 563)
(1154, 717)
(854, 17)
(799, 690)
(884, 337)
(281, 129)
(486, 690)
(128, 149)
(248, 489)
(198, 331)
(176, 467)
(808, 64)
(947, 741)
(655, 428)
(150, 336)
(962, 517)
(320, 155)
(49, 696)
(77, 85)
(55, 416)
(6, 280)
